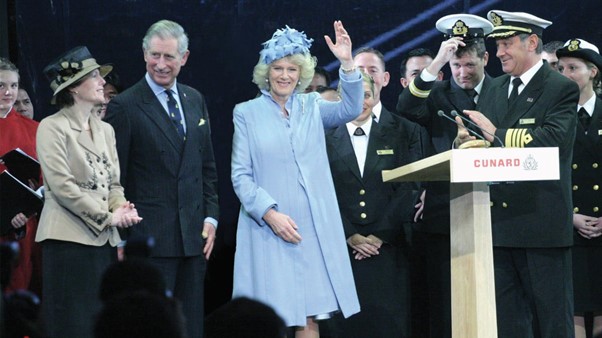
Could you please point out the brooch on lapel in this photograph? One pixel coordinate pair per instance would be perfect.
(201, 121)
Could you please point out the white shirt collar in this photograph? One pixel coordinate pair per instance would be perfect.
(376, 111)
(366, 127)
(528, 75)
(589, 105)
(158, 89)
(479, 87)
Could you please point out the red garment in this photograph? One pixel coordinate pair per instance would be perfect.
(17, 131)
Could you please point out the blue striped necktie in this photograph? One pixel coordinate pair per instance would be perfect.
(174, 113)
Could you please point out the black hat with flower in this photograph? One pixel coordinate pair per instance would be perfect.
(72, 66)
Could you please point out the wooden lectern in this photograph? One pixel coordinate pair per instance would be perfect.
(469, 172)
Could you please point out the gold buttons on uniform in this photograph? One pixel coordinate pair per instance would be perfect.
(363, 215)
(595, 165)
(575, 187)
(362, 204)
(490, 203)
(504, 204)
(362, 192)
(575, 209)
(575, 166)
(596, 187)
(596, 209)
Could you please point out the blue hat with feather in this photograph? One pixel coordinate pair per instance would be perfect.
(286, 41)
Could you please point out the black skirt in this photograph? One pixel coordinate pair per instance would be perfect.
(587, 278)
(71, 278)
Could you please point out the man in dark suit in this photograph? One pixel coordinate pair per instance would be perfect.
(464, 50)
(168, 168)
(530, 106)
(373, 214)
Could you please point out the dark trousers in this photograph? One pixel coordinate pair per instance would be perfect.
(72, 273)
(185, 277)
(534, 292)
(430, 269)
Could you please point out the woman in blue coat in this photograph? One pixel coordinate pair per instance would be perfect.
(291, 252)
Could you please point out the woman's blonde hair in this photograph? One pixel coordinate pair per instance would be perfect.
(367, 78)
(306, 63)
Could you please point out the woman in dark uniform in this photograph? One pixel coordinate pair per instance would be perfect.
(581, 62)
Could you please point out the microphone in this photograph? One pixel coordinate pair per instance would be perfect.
(455, 113)
(479, 136)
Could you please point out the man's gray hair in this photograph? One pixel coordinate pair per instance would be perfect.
(165, 29)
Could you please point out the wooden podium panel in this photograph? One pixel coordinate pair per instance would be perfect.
(433, 168)
(472, 278)
(469, 171)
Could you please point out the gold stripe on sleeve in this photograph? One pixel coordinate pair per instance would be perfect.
(423, 94)
(518, 138)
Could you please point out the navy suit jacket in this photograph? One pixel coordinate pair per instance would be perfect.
(172, 182)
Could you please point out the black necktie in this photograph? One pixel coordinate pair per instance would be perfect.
(359, 132)
(174, 113)
(514, 94)
(584, 118)
(471, 93)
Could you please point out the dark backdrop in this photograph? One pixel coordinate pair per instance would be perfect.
(225, 38)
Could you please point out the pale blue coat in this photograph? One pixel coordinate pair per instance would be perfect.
(283, 164)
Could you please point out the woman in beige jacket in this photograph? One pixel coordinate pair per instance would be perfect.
(84, 201)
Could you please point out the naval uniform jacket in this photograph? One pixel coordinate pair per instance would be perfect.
(420, 103)
(587, 172)
(536, 214)
(369, 205)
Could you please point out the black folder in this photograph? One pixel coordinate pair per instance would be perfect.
(16, 197)
(21, 165)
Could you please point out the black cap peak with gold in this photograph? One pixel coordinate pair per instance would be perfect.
(467, 26)
(508, 24)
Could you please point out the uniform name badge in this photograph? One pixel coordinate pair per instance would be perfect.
(385, 152)
(526, 121)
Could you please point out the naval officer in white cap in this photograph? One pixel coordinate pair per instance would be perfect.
(531, 106)
(464, 50)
